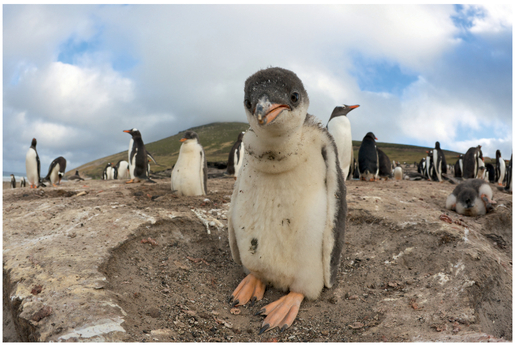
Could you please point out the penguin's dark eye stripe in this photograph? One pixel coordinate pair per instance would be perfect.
(295, 97)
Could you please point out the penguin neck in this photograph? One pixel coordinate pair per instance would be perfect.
(274, 154)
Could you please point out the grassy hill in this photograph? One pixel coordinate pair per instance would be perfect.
(218, 138)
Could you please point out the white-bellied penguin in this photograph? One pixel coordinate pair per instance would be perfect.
(339, 127)
(56, 171)
(13, 181)
(236, 156)
(439, 162)
(430, 169)
(76, 176)
(32, 165)
(385, 167)
(397, 173)
(189, 175)
(472, 197)
(286, 223)
(107, 174)
(23, 183)
(470, 162)
(458, 167)
(122, 169)
(368, 158)
(138, 158)
(500, 168)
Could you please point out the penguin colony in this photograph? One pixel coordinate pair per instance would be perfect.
(286, 223)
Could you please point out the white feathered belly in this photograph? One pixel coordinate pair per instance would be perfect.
(32, 167)
(340, 129)
(279, 220)
(123, 170)
(237, 162)
(502, 170)
(54, 175)
(187, 176)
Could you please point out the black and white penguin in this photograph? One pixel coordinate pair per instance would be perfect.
(490, 173)
(107, 174)
(138, 158)
(23, 183)
(509, 173)
(421, 168)
(439, 162)
(472, 197)
(56, 171)
(429, 173)
(122, 170)
(397, 173)
(236, 156)
(500, 168)
(458, 167)
(339, 127)
(189, 175)
(385, 167)
(470, 162)
(355, 170)
(32, 165)
(286, 223)
(76, 176)
(368, 158)
(13, 181)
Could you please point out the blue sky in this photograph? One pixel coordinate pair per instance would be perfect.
(76, 76)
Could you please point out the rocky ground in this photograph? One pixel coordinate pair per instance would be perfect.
(105, 261)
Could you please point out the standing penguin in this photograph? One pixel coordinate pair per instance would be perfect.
(355, 170)
(13, 181)
(397, 173)
(490, 173)
(440, 164)
(56, 171)
(286, 222)
(385, 167)
(122, 169)
(472, 198)
(235, 156)
(368, 158)
(107, 174)
(458, 167)
(470, 162)
(23, 183)
(500, 168)
(509, 172)
(421, 168)
(32, 165)
(429, 165)
(189, 175)
(339, 127)
(138, 157)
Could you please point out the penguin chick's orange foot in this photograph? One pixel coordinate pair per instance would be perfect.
(282, 312)
(249, 288)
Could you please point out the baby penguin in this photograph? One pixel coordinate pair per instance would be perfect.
(473, 197)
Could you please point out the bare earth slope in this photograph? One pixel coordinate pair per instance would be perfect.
(106, 261)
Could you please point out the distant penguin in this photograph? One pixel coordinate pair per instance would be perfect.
(355, 170)
(481, 173)
(138, 157)
(23, 183)
(13, 181)
(509, 173)
(368, 158)
(440, 164)
(107, 172)
(490, 172)
(236, 156)
(76, 176)
(472, 197)
(122, 169)
(421, 168)
(458, 167)
(189, 175)
(339, 127)
(56, 171)
(500, 168)
(32, 165)
(287, 217)
(429, 165)
(397, 173)
(385, 167)
(470, 162)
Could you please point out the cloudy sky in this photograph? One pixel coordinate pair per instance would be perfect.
(75, 77)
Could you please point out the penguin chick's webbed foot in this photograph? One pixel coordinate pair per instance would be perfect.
(249, 288)
(488, 202)
(282, 312)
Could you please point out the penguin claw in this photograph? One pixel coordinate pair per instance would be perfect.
(283, 328)
(260, 312)
(235, 303)
(230, 299)
(253, 301)
(264, 329)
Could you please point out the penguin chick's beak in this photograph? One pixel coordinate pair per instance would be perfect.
(182, 140)
(266, 112)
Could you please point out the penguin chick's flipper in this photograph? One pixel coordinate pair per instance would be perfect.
(249, 288)
(282, 312)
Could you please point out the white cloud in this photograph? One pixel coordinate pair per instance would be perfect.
(496, 18)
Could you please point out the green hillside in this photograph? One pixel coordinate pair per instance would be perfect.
(218, 138)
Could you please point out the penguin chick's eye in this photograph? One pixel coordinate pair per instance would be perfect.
(247, 104)
(295, 97)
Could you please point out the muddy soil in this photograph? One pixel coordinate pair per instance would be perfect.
(165, 264)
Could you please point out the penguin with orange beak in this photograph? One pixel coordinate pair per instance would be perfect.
(138, 157)
(287, 216)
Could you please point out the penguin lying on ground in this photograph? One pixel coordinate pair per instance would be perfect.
(235, 156)
(13, 181)
(385, 167)
(368, 158)
(472, 197)
(138, 158)
(189, 175)
(339, 127)
(32, 165)
(56, 171)
(76, 177)
(286, 222)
